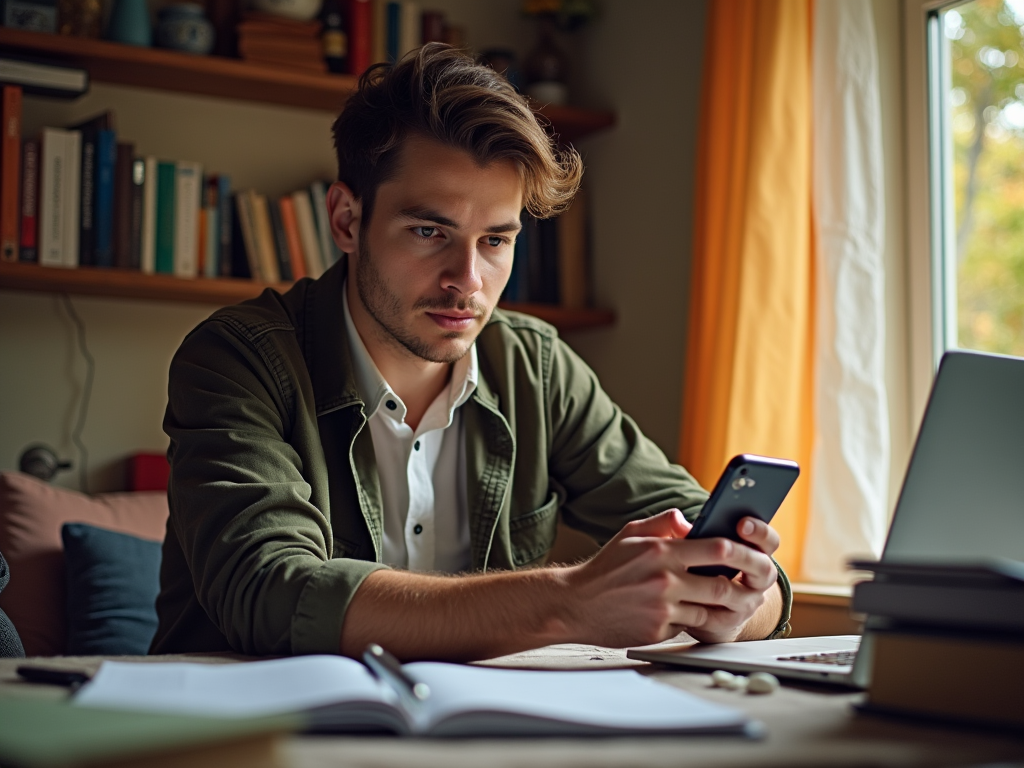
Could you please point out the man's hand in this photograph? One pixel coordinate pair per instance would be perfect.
(637, 590)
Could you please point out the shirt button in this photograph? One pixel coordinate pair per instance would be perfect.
(416, 445)
(391, 404)
(418, 529)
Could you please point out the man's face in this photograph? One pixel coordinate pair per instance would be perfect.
(437, 252)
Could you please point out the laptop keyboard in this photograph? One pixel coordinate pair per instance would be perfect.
(833, 658)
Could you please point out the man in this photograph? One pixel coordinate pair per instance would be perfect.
(380, 455)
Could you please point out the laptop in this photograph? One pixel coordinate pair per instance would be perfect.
(960, 505)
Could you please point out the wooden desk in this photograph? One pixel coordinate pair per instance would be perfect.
(805, 726)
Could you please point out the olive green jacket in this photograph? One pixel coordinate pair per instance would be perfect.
(276, 513)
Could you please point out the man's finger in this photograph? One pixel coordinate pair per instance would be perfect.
(758, 570)
(758, 534)
(669, 524)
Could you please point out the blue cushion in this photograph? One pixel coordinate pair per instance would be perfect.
(113, 580)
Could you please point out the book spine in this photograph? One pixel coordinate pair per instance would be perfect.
(360, 36)
(103, 224)
(188, 200)
(166, 174)
(379, 32)
(147, 245)
(394, 24)
(28, 250)
(53, 168)
(248, 244)
(264, 238)
(136, 212)
(308, 233)
(433, 27)
(291, 231)
(550, 290)
(10, 173)
(411, 30)
(72, 193)
(211, 244)
(572, 254)
(284, 257)
(87, 202)
(225, 225)
(201, 243)
(123, 169)
(328, 250)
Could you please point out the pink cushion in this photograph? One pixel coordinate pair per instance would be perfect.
(31, 515)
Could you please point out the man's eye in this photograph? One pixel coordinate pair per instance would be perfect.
(495, 242)
(425, 232)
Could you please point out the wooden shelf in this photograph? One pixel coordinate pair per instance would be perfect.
(126, 284)
(120, 64)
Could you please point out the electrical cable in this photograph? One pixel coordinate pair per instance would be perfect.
(83, 407)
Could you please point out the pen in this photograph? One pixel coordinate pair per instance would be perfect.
(387, 668)
(66, 677)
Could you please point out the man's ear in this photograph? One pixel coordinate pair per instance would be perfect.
(345, 212)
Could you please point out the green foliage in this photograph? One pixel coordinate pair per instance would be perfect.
(986, 39)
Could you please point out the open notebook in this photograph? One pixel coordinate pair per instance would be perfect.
(341, 695)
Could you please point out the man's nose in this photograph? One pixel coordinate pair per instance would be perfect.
(462, 273)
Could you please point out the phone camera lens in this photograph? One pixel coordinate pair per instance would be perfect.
(743, 470)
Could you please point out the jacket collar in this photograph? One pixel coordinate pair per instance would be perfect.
(328, 357)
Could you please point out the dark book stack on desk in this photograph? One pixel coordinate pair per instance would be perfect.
(947, 641)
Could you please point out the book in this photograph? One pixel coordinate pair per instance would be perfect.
(201, 244)
(187, 202)
(138, 189)
(244, 220)
(123, 172)
(43, 78)
(360, 36)
(338, 694)
(10, 173)
(53, 222)
(225, 224)
(164, 230)
(29, 226)
(329, 251)
(42, 732)
(969, 677)
(106, 160)
(147, 245)
(211, 241)
(393, 24)
(87, 198)
(573, 283)
(264, 234)
(308, 233)
(379, 32)
(72, 190)
(284, 257)
(410, 31)
(291, 231)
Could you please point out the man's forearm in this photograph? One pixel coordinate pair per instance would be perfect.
(457, 618)
(767, 617)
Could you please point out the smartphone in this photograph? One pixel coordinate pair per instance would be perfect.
(750, 486)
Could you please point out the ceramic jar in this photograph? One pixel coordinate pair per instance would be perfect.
(129, 23)
(183, 27)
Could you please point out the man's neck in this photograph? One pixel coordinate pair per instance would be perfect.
(417, 381)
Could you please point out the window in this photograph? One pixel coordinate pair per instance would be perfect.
(976, 131)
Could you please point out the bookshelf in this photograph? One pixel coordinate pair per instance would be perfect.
(171, 71)
(128, 284)
(154, 68)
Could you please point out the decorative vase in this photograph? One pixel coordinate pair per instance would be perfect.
(183, 27)
(129, 23)
(298, 10)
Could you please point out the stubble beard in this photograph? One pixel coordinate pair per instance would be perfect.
(385, 307)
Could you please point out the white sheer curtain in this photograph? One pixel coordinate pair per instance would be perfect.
(850, 465)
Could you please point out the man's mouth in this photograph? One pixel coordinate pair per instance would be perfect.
(452, 319)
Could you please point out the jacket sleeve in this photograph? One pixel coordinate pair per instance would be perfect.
(609, 471)
(259, 550)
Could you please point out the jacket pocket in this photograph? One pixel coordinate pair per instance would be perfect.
(533, 534)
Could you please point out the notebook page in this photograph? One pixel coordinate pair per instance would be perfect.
(605, 700)
(233, 690)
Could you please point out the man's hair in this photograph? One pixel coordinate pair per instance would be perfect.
(442, 94)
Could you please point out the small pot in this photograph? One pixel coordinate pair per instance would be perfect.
(183, 27)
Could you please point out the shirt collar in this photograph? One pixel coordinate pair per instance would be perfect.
(374, 389)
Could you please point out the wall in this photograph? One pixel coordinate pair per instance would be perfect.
(634, 60)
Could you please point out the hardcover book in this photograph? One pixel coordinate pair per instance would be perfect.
(10, 173)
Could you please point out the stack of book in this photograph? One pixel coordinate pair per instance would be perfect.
(946, 641)
(386, 30)
(79, 197)
(281, 42)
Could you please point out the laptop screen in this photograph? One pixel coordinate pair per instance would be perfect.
(963, 495)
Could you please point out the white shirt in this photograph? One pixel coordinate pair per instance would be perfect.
(423, 472)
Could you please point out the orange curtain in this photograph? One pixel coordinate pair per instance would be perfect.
(749, 375)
